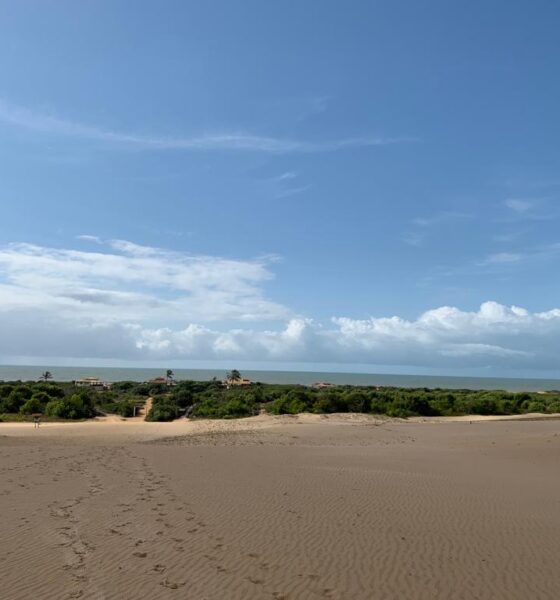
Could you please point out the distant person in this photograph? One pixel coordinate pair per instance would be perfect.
(36, 421)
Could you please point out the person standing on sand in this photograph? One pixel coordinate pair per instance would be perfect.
(36, 421)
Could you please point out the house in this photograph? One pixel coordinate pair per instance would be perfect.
(242, 382)
(161, 381)
(93, 383)
(321, 385)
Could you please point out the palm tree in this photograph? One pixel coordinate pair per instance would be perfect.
(46, 376)
(169, 376)
(233, 375)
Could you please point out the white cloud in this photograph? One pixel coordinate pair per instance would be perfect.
(135, 302)
(127, 301)
(544, 252)
(286, 193)
(422, 225)
(503, 258)
(519, 206)
(441, 217)
(495, 335)
(286, 176)
(413, 238)
(530, 209)
(48, 124)
(132, 283)
(89, 238)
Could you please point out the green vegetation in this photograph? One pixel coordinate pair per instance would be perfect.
(210, 399)
(56, 401)
(59, 401)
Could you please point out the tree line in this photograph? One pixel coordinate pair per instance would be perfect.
(211, 399)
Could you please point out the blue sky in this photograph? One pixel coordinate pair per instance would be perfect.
(295, 182)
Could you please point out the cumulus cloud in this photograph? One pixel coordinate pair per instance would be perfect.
(127, 301)
(494, 335)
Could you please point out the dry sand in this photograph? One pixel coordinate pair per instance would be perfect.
(287, 507)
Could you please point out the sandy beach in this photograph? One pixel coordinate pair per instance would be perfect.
(306, 507)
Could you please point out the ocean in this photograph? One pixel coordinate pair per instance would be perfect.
(30, 373)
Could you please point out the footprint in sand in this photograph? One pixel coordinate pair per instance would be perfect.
(172, 585)
(115, 532)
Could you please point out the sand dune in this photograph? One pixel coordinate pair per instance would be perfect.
(280, 507)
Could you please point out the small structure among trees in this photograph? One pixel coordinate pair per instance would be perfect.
(93, 383)
(168, 380)
(233, 378)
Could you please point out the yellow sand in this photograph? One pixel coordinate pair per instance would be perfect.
(347, 507)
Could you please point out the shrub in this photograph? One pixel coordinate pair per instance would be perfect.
(356, 401)
(183, 397)
(124, 408)
(5, 390)
(217, 408)
(207, 408)
(286, 405)
(398, 411)
(332, 402)
(77, 406)
(485, 406)
(124, 386)
(163, 411)
(553, 407)
(237, 407)
(536, 407)
(51, 389)
(33, 405)
(15, 399)
(377, 406)
(42, 397)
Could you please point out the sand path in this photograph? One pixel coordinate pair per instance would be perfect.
(143, 412)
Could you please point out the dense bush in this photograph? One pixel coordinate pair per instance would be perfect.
(209, 399)
(183, 397)
(225, 409)
(15, 399)
(163, 409)
(5, 390)
(124, 386)
(77, 406)
(51, 389)
(404, 402)
(124, 408)
(35, 404)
